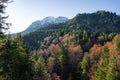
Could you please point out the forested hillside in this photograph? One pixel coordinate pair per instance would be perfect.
(86, 47)
(78, 56)
(95, 23)
(100, 21)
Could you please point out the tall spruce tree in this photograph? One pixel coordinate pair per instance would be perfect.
(84, 67)
(102, 67)
(40, 68)
(3, 50)
(111, 72)
(16, 62)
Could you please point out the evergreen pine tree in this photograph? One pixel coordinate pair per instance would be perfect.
(84, 67)
(102, 67)
(39, 66)
(20, 65)
(62, 54)
(3, 26)
(111, 72)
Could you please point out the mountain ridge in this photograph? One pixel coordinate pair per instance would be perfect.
(44, 22)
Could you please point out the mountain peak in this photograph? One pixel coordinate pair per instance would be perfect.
(48, 19)
(61, 19)
(45, 21)
(51, 19)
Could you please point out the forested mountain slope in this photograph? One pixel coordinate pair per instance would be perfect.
(86, 47)
(100, 21)
(76, 55)
(97, 22)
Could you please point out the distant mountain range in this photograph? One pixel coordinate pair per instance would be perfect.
(42, 23)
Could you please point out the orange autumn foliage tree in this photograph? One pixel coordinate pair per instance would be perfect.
(75, 54)
(96, 51)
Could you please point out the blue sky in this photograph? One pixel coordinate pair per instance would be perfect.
(23, 12)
